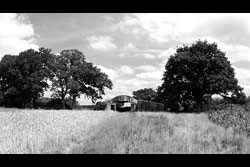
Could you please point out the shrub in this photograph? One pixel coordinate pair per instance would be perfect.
(100, 106)
(235, 116)
(49, 103)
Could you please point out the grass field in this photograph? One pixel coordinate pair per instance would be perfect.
(163, 133)
(45, 131)
(97, 132)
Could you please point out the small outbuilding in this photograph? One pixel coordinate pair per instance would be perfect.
(128, 103)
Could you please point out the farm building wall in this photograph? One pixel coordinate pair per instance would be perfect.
(118, 104)
(143, 105)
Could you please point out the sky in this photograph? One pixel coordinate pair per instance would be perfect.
(132, 48)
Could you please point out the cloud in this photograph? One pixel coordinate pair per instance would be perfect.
(108, 18)
(166, 53)
(112, 74)
(147, 68)
(244, 78)
(102, 42)
(129, 47)
(127, 24)
(244, 64)
(231, 28)
(16, 34)
(132, 83)
(138, 55)
(125, 70)
(157, 75)
(145, 55)
(235, 52)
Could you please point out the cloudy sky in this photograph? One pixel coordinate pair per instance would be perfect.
(131, 48)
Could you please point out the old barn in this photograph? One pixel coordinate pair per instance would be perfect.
(128, 103)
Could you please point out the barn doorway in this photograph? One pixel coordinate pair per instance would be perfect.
(113, 107)
(123, 106)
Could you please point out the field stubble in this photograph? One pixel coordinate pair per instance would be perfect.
(163, 133)
(97, 132)
(45, 131)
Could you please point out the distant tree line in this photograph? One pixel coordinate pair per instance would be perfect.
(25, 77)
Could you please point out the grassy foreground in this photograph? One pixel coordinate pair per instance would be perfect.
(45, 131)
(97, 132)
(157, 133)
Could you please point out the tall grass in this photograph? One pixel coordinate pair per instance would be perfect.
(163, 133)
(97, 132)
(45, 131)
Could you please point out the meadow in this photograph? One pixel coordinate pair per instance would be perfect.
(45, 131)
(107, 132)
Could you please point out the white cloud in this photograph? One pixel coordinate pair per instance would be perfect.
(235, 52)
(186, 27)
(127, 21)
(122, 55)
(129, 47)
(146, 55)
(132, 82)
(157, 75)
(110, 72)
(101, 42)
(243, 78)
(125, 70)
(108, 18)
(167, 53)
(147, 68)
(16, 34)
(137, 54)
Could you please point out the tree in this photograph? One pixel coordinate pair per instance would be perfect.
(23, 78)
(73, 76)
(193, 74)
(145, 94)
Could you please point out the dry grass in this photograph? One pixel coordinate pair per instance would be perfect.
(157, 133)
(95, 132)
(45, 131)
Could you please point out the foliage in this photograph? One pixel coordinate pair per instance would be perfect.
(50, 103)
(100, 105)
(73, 76)
(193, 74)
(145, 94)
(23, 78)
(235, 116)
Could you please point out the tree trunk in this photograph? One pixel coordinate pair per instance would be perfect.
(74, 102)
(63, 104)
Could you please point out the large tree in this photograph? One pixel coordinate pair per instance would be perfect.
(23, 78)
(194, 73)
(74, 76)
(148, 94)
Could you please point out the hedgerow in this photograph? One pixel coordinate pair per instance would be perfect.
(235, 116)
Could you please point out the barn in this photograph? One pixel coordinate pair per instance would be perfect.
(128, 103)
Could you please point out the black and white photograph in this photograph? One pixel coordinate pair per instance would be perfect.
(124, 83)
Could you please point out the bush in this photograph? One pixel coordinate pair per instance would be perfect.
(100, 106)
(49, 103)
(235, 116)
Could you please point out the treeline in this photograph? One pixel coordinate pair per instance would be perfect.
(25, 77)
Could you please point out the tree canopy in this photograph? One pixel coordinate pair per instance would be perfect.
(194, 73)
(145, 94)
(23, 78)
(73, 76)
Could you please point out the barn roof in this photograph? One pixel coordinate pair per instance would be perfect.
(123, 98)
